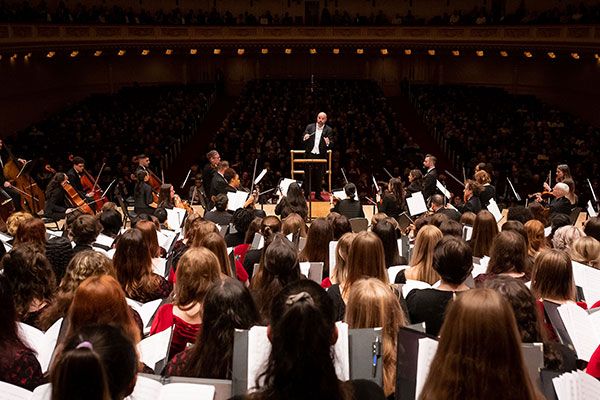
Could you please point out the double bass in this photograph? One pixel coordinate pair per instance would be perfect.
(32, 196)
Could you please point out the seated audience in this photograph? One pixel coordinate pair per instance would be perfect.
(386, 231)
(241, 219)
(565, 236)
(536, 238)
(340, 225)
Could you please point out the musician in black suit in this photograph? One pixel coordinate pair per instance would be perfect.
(437, 206)
(75, 174)
(143, 164)
(219, 184)
(471, 196)
(561, 203)
(349, 207)
(431, 176)
(210, 170)
(317, 139)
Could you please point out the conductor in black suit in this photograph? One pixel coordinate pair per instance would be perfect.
(317, 139)
(431, 176)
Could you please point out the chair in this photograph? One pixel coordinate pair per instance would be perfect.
(359, 224)
(574, 215)
(124, 210)
(50, 221)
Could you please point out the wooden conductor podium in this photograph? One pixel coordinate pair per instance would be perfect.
(308, 162)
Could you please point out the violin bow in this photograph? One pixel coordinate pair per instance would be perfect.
(455, 178)
(388, 172)
(186, 179)
(344, 174)
(98, 177)
(253, 175)
(592, 190)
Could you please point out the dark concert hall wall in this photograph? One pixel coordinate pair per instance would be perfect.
(33, 88)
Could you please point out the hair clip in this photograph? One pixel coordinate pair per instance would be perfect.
(302, 296)
(85, 344)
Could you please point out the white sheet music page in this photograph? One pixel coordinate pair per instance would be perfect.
(236, 200)
(332, 246)
(155, 348)
(442, 189)
(285, 184)
(146, 310)
(187, 391)
(305, 268)
(342, 352)
(493, 208)
(427, 349)
(259, 349)
(581, 330)
(145, 389)
(416, 204)
(588, 278)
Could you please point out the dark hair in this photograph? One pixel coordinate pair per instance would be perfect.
(55, 183)
(139, 176)
(340, 224)
(485, 230)
(295, 200)
(508, 254)
(518, 227)
(111, 222)
(85, 229)
(559, 220)
(148, 230)
(453, 259)
(451, 227)
(78, 160)
(269, 226)
(386, 231)
(302, 331)
(253, 228)
(519, 213)
(592, 227)
(317, 244)
(164, 196)
(350, 190)
(278, 267)
(221, 201)
(538, 212)
(227, 306)
(10, 340)
(397, 189)
(30, 275)
(211, 154)
(229, 174)
(437, 200)
(31, 230)
(241, 219)
(473, 187)
(161, 214)
(437, 219)
(98, 362)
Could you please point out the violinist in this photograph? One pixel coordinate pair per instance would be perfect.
(415, 178)
(488, 191)
(561, 203)
(393, 202)
(56, 204)
(563, 175)
(166, 196)
(233, 183)
(349, 207)
(293, 203)
(471, 198)
(142, 194)
(4, 184)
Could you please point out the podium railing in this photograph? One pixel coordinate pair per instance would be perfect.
(304, 160)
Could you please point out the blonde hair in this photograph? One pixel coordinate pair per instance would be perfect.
(13, 221)
(342, 249)
(365, 259)
(565, 236)
(372, 304)
(197, 270)
(586, 250)
(422, 259)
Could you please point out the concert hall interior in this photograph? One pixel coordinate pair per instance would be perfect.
(220, 192)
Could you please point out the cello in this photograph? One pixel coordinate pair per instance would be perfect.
(75, 199)
(32, 196)
(91, 187)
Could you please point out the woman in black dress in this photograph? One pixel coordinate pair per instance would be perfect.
(56, 204)
(415, 177)
(294, 202)
(393, 202)
(142, 194)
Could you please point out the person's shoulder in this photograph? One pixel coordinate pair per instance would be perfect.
(367, 390)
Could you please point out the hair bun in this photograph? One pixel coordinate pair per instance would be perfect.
(300, 297)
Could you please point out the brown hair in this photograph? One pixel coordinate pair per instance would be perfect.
(479, 336)
(198, 230)
(100, 300)
(485, 230)
(31, 230)
(215, 243)
(586, 250)
(148, 230)
(197, 270)
(473, 186)
(536, 238)
(552, 276)
(482, 177)
(422, 259)
(187, 225)
(468, 218)
(508, 254)
(85, 229)
(14, 220)
(365, 259)
(317, 244)
(133, 264)
(253, 228)
(372, 304)
(340, 271)
(293, 223)
(538, 212)
(83, 265)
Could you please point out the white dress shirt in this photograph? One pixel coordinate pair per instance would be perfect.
(318, 133)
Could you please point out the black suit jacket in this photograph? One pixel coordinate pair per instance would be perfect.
(310, 142)
(208, 172)
(473, 205)
(429, 182)
(218, 185)
(75, 181)
(488, 192)
(562, 205)
(218, 217)
(349, 208)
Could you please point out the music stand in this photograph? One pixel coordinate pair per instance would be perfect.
(310, 162)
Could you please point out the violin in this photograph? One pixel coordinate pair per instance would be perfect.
(7, 207)
(76, 200)
(182, 204)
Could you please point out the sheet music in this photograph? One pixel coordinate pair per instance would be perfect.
(588, 279)
(166, 237)
(412, 284)
(341, 352)
(394, 270)
(580, 329)
(187, 391)
(576, 385)
(341, 194)
(493, 208)
(467, 232)
(416, 204)
(427, 349)
(159, 266)
(236, 200)
(590, 209)
(155, 348)
(305, 268)
(105, 240)
(9, 391)
(146, 310)
(547, 231)
(145, 389)
(290, 237)
(442, 189)
(285, 184)
(259, 349)
(332, 246)
(42, 343)
(175, 218)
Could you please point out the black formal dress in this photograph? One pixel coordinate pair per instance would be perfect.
(488, 193)
(10, 191)
(318, 169)
(390, 206)
(75, 181)
(414, 187)
(284, 208)
(218, 217)
(56, 205)
(429, 306)
(142, 200)
(450, 213)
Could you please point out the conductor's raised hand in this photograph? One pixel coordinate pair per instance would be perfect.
(306, 136)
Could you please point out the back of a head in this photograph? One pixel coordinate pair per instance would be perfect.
(269, 226)
(485, 230)
(479, 325)
(197, 270)
(253, 229)
(366, 258)
(427, 238)
(519, 213)
(8, 319)
(565, 236)
(342, 249)
(31, 230)
(111, 222)
(293, 224)
(350, 190)
(518, 227)
(132, 258)
(215, 243)
(508, 254)
(148, 230)
(386, 231)
(317, 243)
(340, 224)
(97, 362)
(241, 219)
(536, 237)
(559, 220)
(592, 227)
(161, 214)
(85, 229)
(437, 200)
(468, 218)
(552, 276)
(199, 229)
(14, 220)
(302, 332)
(221, 201)
(227, 306)
(451, 228)
(586, 250)
(453, 259)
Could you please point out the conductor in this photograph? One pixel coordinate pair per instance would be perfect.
(317, 138)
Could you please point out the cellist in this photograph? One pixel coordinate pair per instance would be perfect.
(75, 174)
(4, 184)
(56, 205)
